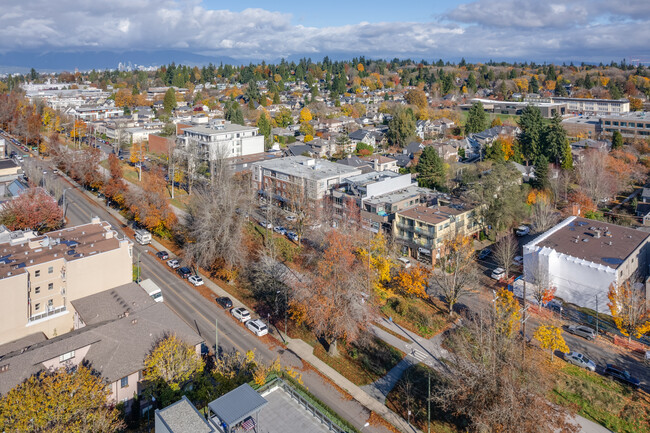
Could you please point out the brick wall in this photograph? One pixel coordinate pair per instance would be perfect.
(161, 145)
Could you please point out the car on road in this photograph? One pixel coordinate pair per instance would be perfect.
(518, 261)
(522, 230)
(195, 280)
(184, 272)
(224, 301)
(279, 229)
(577, 358)
(554, 305)
(292, 236)
(621, 375)
(290, 218)
(241, 314)
(484, 254)
(266, 225)
(173, 263)
(258, 327)
(498, 273)
(162, 255)
(582, 331)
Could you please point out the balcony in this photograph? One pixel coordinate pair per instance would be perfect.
(49, 313)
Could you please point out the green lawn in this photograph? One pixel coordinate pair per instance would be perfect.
(602, 400)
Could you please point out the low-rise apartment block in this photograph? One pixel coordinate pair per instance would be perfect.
(283, 178)
(223, 140)
(422, 229)
(585, 105)
(40, 276)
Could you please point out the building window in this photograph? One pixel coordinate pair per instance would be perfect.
(50, 286)
(50, 269)
(37, 290)
(66, 356)
(124, 382)
(50, 303)
(37, 307)
(37, 273)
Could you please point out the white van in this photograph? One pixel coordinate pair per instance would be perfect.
(142, 237)
(152, 289)
(404, 262)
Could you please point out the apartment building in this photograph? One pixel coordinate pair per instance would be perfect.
(422, 229)
(282, 178)
(581, 258)
(222, 140)
(633, 124)
(40, 276)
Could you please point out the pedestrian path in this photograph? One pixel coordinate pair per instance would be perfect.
(380, 388)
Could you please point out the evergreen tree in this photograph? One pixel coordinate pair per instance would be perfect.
(476, 119)
(471, 82)
(495, 152)
(169, 102)
(617, 140)
(276, 98)
(541, 173)
(555, 139)
(431, 169)
(530, 138)
(401, 127)
(264, 125)
(234, 113)
(560, 90)
(534, 85)
(567, 157)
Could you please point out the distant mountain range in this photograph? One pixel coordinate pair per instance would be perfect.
(51, 61)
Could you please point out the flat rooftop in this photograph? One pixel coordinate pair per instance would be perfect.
(223, 129)
(579, 238)
(371, 177)
(70, 244)
(582, 120)
(399, 195)
(432, 214)
(112, 304)
(632, 115)
(309, 168)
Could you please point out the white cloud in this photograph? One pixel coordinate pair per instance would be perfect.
(523, 29)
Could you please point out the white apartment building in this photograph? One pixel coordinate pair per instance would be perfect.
(225, 140)
(587, 105)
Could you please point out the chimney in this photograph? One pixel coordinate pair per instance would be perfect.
(375, 164)
(597, 235)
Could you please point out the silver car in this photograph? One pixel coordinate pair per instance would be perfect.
(580, 360)
(582, 331)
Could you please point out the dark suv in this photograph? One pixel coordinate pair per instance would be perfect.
(225, 302)
(621, 375)
(184, 272)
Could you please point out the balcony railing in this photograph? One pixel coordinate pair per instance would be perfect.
(48, 313)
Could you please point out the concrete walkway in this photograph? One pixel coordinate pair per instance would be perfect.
(380, 388)
(306, 352)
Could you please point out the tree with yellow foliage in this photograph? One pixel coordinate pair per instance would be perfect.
(629, 309)
(456, 276)
(413, 281)
(172, 362)
(305, 115)
(550, 337)
(375, 257)
(123, 98)
(60, 401)
(506, 309)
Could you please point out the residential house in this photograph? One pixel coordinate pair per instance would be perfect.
(381, 163)
(362, 136)
(643, 207)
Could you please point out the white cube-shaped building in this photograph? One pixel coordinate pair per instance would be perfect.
(581, 258)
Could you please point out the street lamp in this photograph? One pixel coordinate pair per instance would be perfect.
(65, 205)
(139, 253)
(286, 307)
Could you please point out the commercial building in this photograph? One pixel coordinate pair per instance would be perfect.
(583, 126)
(634, 124)
(114, 333)
(548, 109)
(585, 105)
(581, 258)
(41, 275)
(222, 140)
(283, 178)
(421, 229)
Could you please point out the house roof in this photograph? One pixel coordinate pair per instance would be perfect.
(112, 304)
(578, 237)
(432, 215)
(237, 405)
(182, 417)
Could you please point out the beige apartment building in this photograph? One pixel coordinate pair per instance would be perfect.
(39, 277)
(422, 229)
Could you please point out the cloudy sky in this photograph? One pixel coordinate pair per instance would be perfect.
(540, 30)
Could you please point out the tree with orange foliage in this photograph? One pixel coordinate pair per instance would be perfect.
(149, 204)
(123, 98)
(636, 104)
(417, 97)
(413, 281)
(115, 188)
(34, 209)
(333, 295)
(629, 309)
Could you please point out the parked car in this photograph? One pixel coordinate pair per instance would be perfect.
(162, 255)
(405, 262)
(266, 225)
(279, 229)
(224, 301)
(290, 218)
(173, 263)
(184, 272)
(196, 280)
(258, 327)
(582, 331)
(522, 230)
(241, 314)
(518, 261)
(577, 358)
(555, 305)
(484, 254)
(498, 273)
(621, 375)
(292, 236)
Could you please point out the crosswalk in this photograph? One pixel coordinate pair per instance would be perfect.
(417, 354)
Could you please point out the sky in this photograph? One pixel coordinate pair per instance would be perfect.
(479, 30)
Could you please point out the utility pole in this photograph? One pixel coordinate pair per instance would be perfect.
(429, 404)
(597, 315)
(523, 327)
(216, 338)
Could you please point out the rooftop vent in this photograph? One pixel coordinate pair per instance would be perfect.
(134, 321)
(585, 240)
